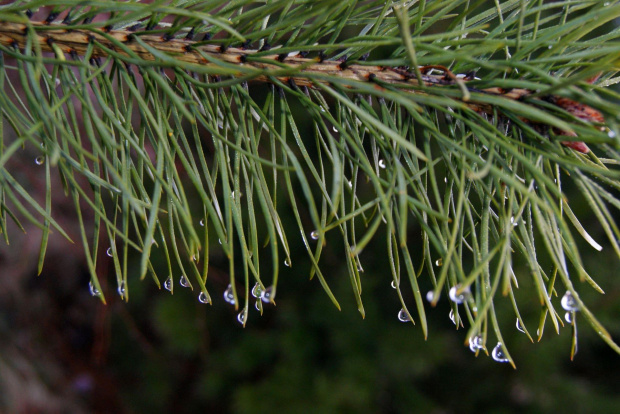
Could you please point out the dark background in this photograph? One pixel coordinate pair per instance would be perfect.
(64, 351)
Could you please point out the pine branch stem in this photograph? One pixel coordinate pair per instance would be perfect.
(294, 70)
(301, 69)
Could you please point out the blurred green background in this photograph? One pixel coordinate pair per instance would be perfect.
(63, 351)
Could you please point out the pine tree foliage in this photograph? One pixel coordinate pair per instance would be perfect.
(466, 120)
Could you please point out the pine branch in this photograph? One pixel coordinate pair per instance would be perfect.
(256, 66)
(401, 135)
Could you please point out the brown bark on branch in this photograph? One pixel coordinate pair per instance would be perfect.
(296, 69)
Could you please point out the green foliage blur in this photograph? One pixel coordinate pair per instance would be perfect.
(303, 356)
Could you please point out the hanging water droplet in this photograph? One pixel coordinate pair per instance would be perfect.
(257, 290)
(219, 241)
(394, 285)
(109, 252)
(265, 295)
(241, 316)
(611, 134)
(121, 289)
(39, 160)
(451, 315)
(439, 262)
(335, 129)
(568, 317)
(475, 343)
(168, 284)
(232, 195)
(203, 298)
(229, 297)
(514, 222)
(445, 180)
(350, 184)
(569, 303)
(93, 290)
(184, 282)
(403, 316)
(430, 296)
(459, 297)
(194, 258)
(498, 353)
(258, 305)
(382, 164)
(202, 222)
(287, 262)
(314, 235)
(322, 109)
(519, 327)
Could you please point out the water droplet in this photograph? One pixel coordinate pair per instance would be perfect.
(514, 222)
(229, 297)
(314, 235)
(430, 295)
(257, 290)
(350, 184)
(459, 297)
(93, 290)
(184, 282)
(439, 262)
(241, 316)
(382, 164)
(452, 318)
(39, 160)
(549, 47)
(568, 317)
(394, 285)
(611, 134)
(202, 222)
(445, 180)
(498, 353)
(335, 129)
(322, 109)
(265, 295)
(203, 298)
(168, 284)
(109, 252)
(121, 289)
(475, 343)
(258, 305)
(232, 195)
(287, 262)
(219, 241)
(403, 316)
(194, 258)
(569, 303)
(519, 327)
